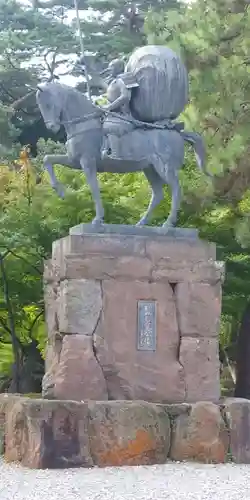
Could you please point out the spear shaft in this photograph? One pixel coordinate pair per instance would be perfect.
(82, 45)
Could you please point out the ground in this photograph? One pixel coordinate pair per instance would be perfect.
(172, 481)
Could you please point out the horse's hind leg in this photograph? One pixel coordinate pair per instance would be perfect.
(174, 183)
(157, 193)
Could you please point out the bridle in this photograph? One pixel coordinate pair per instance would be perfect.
(81, 119)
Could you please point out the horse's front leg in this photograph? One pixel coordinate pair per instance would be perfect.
(89, 168)
(48, 163)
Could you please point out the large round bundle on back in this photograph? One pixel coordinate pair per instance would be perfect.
(163, 83)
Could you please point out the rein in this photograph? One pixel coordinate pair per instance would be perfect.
(100, 113)
(81, 119)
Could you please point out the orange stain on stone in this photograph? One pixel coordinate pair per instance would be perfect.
(137, 451)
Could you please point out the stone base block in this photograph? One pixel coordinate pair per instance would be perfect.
(132, 314)
(200, 360)
(78, 373)
(51, 434)
(200, 435)
(128, 433)
(237, 415)
(48, 434)
(7, 401)
(61, 434)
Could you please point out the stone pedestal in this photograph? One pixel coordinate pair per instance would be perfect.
(132, 316)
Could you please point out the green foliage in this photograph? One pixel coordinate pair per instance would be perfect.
(116, 27)
(6, 359)
(28, 35)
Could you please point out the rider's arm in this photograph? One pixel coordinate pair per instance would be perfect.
(125, 96)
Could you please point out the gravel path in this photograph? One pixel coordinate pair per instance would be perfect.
(161, 482)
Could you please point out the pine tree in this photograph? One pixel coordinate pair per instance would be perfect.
(118, 26)
(113, 27)
(32, 45)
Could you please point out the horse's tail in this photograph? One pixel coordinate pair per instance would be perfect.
(199, 149)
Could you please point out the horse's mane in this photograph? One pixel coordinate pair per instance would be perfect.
(76, 99)
(55, 87)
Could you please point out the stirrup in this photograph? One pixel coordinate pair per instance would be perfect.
(106, 153)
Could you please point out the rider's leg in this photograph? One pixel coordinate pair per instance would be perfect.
(112, 147)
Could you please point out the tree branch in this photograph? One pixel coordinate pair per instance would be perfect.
(5, 326)
(230, 35)
(24, 260)
(51, 66)
(16, 68)
(33, 324)
(37, 4)
(20, 102)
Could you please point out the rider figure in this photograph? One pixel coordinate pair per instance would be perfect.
(118, 85)
(119, 91)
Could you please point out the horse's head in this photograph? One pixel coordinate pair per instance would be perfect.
(63, 105)
(49, 100)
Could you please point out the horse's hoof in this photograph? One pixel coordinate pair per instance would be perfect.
(141, 222)
(97, 222)
(168, 225)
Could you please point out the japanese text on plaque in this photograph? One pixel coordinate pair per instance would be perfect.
(146, 334)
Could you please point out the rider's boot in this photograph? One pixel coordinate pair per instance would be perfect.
(111, 148)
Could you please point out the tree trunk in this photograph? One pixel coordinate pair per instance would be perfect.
(14, 339)
(242, 388)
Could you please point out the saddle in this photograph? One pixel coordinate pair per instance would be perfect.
(117, 125)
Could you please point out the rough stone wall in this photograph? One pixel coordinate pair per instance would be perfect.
(92, 286)
(39, 433)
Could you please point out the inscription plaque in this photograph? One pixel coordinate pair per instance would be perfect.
(146, 329)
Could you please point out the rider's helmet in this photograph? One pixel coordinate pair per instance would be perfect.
(116, 67)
